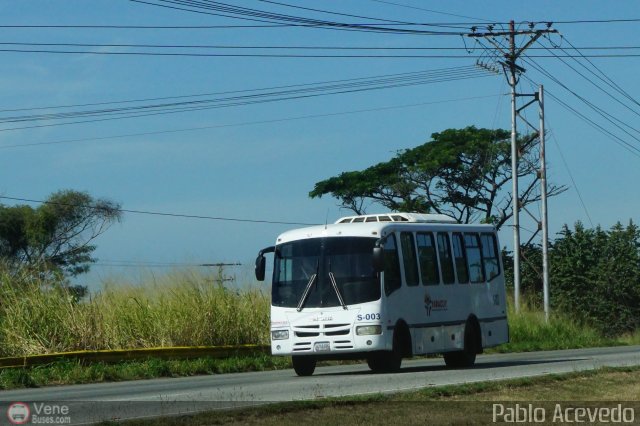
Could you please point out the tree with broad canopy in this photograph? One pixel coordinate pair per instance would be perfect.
(462, 173)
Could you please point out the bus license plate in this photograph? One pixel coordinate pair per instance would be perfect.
(321, 347)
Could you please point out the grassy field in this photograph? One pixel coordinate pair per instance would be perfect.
(471, 404)
(183, 308)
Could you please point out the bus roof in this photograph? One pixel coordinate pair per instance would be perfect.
(399, 217)
(377, 226)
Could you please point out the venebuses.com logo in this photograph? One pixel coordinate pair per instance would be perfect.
(18, 413)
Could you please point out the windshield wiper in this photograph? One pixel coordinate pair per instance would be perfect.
(335, 287)
(303, 299)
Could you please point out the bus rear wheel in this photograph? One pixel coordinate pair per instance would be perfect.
(303, 365)
(467, 356)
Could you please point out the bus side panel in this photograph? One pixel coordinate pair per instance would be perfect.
(453, 336)
(427, 340)
(494, 332)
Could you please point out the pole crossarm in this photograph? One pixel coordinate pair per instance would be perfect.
(517, 52)
(512, 53)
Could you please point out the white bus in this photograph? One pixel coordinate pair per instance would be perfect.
(385, 287)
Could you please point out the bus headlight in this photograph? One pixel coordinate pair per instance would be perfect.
(366, 330)
(279, 334)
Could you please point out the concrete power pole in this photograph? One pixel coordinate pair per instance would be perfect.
(513, 81)
(512, 70)
(544, 220)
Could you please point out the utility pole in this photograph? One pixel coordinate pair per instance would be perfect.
(513, 81)
(512, 70)
(544, 220)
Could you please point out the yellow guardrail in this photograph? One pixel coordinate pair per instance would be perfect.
(117, 355)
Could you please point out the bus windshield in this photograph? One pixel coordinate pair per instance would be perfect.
(347, 261)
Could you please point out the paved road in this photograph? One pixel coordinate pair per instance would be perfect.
(143, 398)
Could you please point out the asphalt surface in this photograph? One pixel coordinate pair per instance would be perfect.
(145, 398)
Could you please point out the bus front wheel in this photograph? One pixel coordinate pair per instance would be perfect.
(303, 365)
(389, 361)
(385, 362)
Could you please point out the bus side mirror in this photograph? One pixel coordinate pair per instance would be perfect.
(378, 259)
(261, 262)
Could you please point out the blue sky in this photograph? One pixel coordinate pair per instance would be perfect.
(236, 167)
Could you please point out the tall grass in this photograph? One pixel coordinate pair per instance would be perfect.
(529, 331)
(190, 308)
(183, 308)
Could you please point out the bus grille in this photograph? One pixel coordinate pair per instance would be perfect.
(343, 344)
(302, 347)
(316, 330)
(307, 331)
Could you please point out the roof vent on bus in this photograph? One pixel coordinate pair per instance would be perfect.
(398, 217)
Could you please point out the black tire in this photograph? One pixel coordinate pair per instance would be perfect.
(387, 361)
(303, 365)
(466, 357)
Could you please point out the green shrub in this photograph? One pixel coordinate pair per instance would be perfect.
(596, 277)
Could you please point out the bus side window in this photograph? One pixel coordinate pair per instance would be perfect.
(446, 265)
(428, 258)
(392, 280)
(461, 258)
(490, 255)
(409, 258)
(474, 257)
(284, 272)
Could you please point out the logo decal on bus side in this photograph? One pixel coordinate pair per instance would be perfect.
(496, 299)
(434, 304)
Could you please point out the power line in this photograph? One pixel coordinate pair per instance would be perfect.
(564, 161)
(208, 104)
(615, 138)
(378, 77)
(596, 21)
(607, 116)
(264, 55)
(141, 27)
(455, 25)
(409, 79)
(246, 123)
(294, 56)
(573, 181)
(418, 77)
(598, 86)
(608, 81)
(429, 10)
(236, 12)
(295, 47)
(335, 13)
(163, 214)
(266, 88)
(276, 26)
